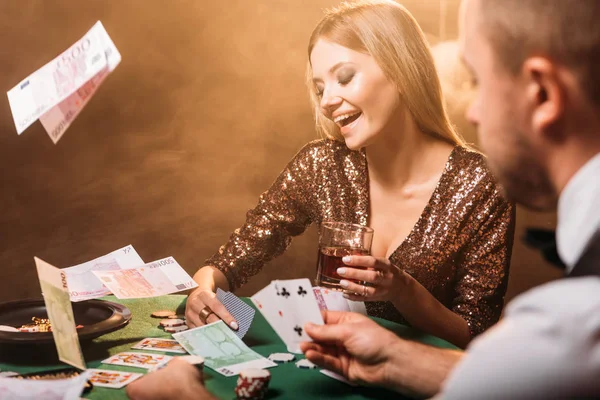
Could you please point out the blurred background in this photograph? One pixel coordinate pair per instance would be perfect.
(206, 108)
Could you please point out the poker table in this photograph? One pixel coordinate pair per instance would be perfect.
(287, 381)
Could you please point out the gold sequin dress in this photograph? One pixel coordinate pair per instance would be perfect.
(459, 248)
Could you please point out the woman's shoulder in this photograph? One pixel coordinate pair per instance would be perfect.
(471, 168)
(323, 151)
(326, 145)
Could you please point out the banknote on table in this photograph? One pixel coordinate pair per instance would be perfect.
(55, 290)
(221, 349)
(51, 389)
(150, 280)
(65, 83)
(84, 285)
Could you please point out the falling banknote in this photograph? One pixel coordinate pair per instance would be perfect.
(56, 93)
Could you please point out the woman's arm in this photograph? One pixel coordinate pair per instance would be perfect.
(423, 311)
(210, 278)
(282, 212)
(416, 304)
(482, 277)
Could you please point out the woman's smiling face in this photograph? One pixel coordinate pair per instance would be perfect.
(354, 93)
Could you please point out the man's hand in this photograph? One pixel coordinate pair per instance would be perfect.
(352, 345)
(364, 352)
(178, 380)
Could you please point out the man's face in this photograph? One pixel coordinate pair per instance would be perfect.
(502, 118)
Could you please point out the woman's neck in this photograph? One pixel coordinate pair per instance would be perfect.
(406, 157)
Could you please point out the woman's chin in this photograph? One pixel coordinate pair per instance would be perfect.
(352, 143)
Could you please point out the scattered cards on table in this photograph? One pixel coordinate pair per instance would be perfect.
(111, 378)
(221, 349)
(166, 345)
(242, 312)
(288, 305)
(138, 360)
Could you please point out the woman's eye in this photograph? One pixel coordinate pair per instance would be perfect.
(345, 79)
(319, 92)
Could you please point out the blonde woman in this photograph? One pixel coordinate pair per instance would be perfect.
(391, 160)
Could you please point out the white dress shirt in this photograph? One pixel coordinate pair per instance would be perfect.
(547, 346)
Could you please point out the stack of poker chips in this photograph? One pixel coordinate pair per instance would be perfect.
(173, 325)
(172, 322)
(252, 384)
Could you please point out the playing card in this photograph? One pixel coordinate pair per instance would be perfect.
(338, 377)
(334, 300)
(298, 299)
(266, 302)
(242, 312)
(138, 360)
(112, 379)
(167, 345)
(288, 305)
(331, 299)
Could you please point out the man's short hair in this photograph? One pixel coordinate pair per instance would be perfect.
(567, 31)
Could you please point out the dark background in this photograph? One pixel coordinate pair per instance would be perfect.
(206, 108)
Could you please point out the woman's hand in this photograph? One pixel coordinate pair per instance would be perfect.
(203, 308)
(384, 281)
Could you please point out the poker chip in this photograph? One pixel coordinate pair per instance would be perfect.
(176, 316)
(8, 374)
(252, 384)
(305, 364)
(162, 314)
(175, 329)
(281, 358)
(171, 323)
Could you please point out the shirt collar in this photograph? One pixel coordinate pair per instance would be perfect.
(579, 212)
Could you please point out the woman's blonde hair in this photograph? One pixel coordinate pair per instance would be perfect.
(390, 34)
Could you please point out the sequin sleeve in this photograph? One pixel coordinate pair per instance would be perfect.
(482, 275)
(282, 212)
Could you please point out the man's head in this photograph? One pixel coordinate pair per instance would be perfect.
(538, 103)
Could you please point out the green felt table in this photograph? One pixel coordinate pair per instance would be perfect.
(287, 381)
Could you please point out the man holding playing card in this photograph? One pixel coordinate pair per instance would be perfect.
(537, 111)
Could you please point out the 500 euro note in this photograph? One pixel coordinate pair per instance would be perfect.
(150, 280)
(84, 285)
(89, 60)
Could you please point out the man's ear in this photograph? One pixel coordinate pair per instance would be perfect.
(545, 95)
